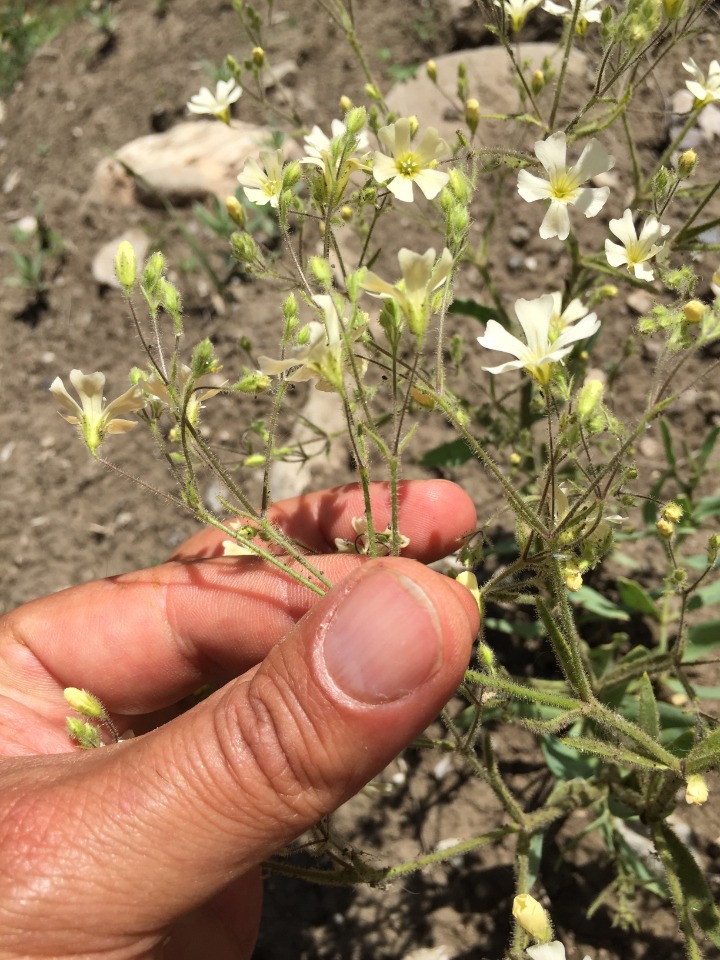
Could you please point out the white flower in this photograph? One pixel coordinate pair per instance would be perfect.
(93, 418)
(587, 13)
(548, 951)
(517, 10)
(410, 163)
(321, 357)
(540, 352)
(563, 188)
(262, 182)
(361, 543)
(560, 318)
(704, 90)
(156, 387)
(318, 144)
(633, 250)
(421, 275)
(216, 104)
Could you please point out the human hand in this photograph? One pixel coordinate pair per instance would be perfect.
(150, 848)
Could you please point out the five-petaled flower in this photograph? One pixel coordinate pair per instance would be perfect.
(517, 10)
(262, 182)
(704, 89)
(586, 14)
(635, 250)
(421, 276)
(410, 162)
(541, 350)
(563, 187)
(216, 104)
(318, 144)
(94, 419)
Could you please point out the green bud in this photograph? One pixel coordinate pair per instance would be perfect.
(431, 70)
(590, 397)
(303, 336)
(154, 266)
(291, 174)
(84, 734)
(537, 82)
(125, 266)
(253, 383)
(462, 82)
(233, 66)
(321, 270)
(372, 92)
(713, 548)
(258, 56)
(461, 185)
(290, 312)
(486, 657)
(244, 248)
(85, 703)
(254, 460)
(169, 297)
(673, 8)
(236, 211)
(661, 182)
(345, 104)
(355, 120)
(458, 221)
(203, 359)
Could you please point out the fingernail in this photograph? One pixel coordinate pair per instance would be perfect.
(383, 640)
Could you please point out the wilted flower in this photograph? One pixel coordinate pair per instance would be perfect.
(540, 352)
(409, 162)
(704, 89)
(216, 104)
(262, 182)
(320, 358)
(156, 387)
(93, 418)
(361, 543)
(633, 250)
(563, 188)
(517, 10)
(586, 15)
(421, 275)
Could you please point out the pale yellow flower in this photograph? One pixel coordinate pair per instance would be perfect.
(704, 89)
(633, 250)
(421, 276)
(216, 104)
(532, 917)
(696, 789)
(410, 162)
(262, 182)
(95, 419)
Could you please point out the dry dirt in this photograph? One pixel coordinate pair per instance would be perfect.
(66, 520)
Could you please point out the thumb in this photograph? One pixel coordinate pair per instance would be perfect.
(181, 812)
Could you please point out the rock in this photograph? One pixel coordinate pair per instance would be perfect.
(490, 80)
(640, 302)
(191, 161)
(519, 235)
(103, 264)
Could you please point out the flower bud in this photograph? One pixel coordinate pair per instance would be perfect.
(431, 70)
(486, 657)
(673, 8)
(590, 397)
(573, 579)
(258, 56)
(85, 703)
(372, 91)
(672, 512)
(694, 311)
(472, 114)
(713, 548)
(346, 212)
(687, 162)
(125, 265)
(254, 460)
(665, 528)
(84, 734)
(154, 266)
(515, 459)
(414, 124)
(345, 104)
(468, 579)
(532, 917)
(537, 82)
(244, 248)
(696, 789)
(355, 120)
(252, 383)
(321, 270)
(236, 211)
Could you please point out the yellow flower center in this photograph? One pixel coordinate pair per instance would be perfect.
(271, 187)
(408, 165)
(563, 187)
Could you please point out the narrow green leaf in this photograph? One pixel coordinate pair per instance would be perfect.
(451, 454)
(693, 884)
(598, 605)
(636, 598)
(705, 754)
(703, 638)
(564, 761)
(470, 308)
(708, 445)
(610, 751)
(648, 715)
(667, 444)
(706, 596)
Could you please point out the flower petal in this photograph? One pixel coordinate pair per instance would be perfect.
(431, 182)
(556, 222)
(532, 188)
(552, 153)
(591, 200)
(593, 160)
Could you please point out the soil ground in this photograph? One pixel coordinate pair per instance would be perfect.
(66, 520)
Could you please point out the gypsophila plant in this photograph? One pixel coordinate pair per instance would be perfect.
(390, 334)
